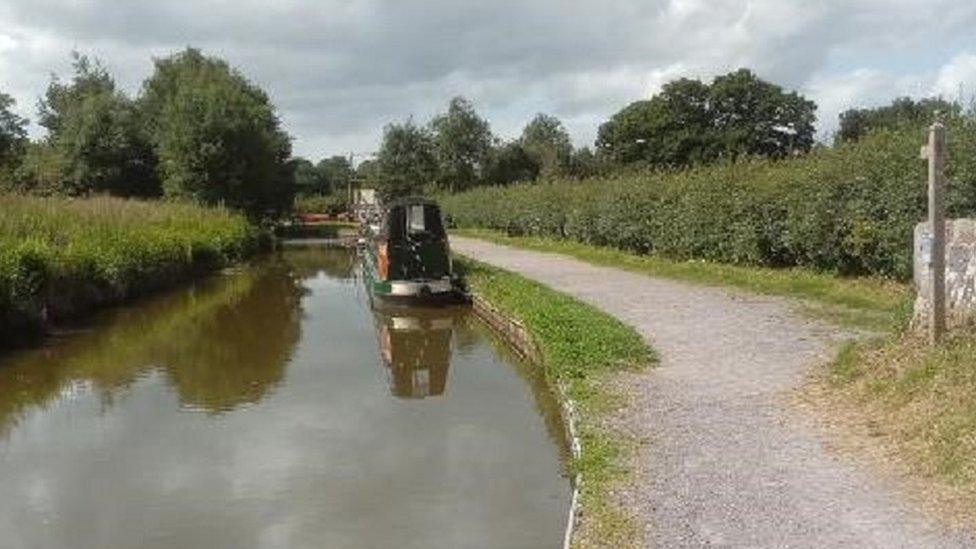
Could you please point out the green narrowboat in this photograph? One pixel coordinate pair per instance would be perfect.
(406, 257)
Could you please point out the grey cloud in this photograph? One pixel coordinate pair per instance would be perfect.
(340, 70)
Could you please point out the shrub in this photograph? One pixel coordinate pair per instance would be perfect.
(330, 204)
(849, 209)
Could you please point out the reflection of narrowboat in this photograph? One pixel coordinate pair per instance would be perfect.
(416, 347)
(406, 255)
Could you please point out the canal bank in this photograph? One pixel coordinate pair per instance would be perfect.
(61, 259)
(270, 405)
(580, 349)
(722, 459)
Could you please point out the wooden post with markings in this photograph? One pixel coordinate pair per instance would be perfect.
(935, 153)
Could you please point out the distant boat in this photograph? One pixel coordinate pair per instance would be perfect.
(406, 257)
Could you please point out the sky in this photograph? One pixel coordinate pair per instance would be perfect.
(338, 71)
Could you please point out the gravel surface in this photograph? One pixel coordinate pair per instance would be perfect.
(726, 461)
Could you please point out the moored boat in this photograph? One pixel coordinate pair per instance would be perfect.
(406, 255)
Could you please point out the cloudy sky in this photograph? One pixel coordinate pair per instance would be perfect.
(340, 70)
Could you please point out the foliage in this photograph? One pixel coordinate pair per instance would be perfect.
(462, 145)
(583, 164)
(59, 256)
(581, 347)
(856, 123)
(547, 143)
(337, 172)
(405, 160)
(217, 136)
(849, 210)
(510, 163)
(13, 136)
(308, 179)
(96, 136)
(690, 122)
(367, 174)
(322, 204)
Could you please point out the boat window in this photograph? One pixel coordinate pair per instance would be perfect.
(433, 221)
(416, 219)
(395, 224)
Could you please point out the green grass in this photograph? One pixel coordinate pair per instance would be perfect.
(867, 303)
(60, 257)
(581, 347)
(920, 400)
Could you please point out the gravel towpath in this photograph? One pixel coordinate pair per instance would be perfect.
(727, 462)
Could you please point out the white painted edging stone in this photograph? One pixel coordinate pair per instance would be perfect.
(520, 339)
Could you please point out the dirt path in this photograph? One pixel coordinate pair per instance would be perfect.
(726, 463)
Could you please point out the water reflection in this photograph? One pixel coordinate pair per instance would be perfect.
(300, 444)
(221, 344)
(416, 347)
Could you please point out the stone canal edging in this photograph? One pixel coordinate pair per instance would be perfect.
(520, 339)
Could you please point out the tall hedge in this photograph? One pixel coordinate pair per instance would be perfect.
(849, 209)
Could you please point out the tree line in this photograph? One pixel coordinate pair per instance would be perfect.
(198, 129)
(688, 123)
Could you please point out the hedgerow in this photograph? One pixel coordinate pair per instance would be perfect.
(850, 209)
(59, 257)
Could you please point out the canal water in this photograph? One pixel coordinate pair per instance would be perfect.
(272, 407)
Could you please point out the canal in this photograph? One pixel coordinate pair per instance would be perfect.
(270, 406)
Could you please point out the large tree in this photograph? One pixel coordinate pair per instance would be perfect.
(406, 161)
(547, 143)
(217, 135)
(690, 122)
(308, 178)
(856, 123)
(462, 145)
(13, 138)
(96, 134)
(754, 117)
(337, 172)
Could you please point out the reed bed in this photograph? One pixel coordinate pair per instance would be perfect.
(60, 257)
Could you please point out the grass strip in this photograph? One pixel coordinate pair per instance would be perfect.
(873, 304)
(919, 403)
(582, 347)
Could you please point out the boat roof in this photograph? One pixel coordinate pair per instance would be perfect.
(411, 201)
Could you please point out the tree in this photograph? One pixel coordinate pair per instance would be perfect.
(547, 143)
(406, 160)
(510, 163)
(13, 138)
(754, 117)
(856, 123)
(462, 145)
(584, 164)
(337, 172)
(367, 174)
(690, 122)
(309, 180)
(217, 135)
(96, 133)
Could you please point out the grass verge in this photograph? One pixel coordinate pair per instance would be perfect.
(865, 303)
(61, 257)
(918, 405)
(581, 347)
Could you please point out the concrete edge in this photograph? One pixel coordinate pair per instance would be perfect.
(520, 339)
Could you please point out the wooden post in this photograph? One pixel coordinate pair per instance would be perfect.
(935, 152)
